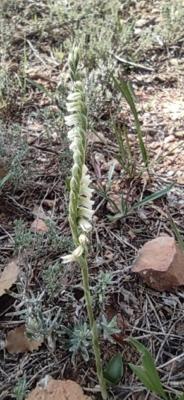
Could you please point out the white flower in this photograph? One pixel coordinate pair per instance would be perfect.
(83, 239)
(73, 133)
(75, 106)
(85, 182)
(67, 259)
(74, 96)
(77, 252)
(71, 120)
(86, 191)
(74, 255)
(86, 212)
(74, 143)
(77, 121)
(85, 225)
(86, 201)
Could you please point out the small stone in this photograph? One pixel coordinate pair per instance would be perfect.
(112, 163)
(39, 226)
(160, 263)
(52, 389)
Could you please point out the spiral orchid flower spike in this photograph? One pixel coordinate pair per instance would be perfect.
(80, 203)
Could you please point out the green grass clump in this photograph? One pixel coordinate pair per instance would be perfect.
(52, 276)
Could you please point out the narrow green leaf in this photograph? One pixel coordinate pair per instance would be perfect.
(39, 86)
(148, 362)
(176, 231)
(140, 373)
(115, 217)
(153, 196)
(181, 397)
(4, 180)
(148, 369)
(127, 92)
(114, 369)
(124, 205)
(147, 199)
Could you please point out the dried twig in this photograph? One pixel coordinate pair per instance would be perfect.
(124, 61)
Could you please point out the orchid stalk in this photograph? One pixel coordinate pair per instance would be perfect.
(80, 203)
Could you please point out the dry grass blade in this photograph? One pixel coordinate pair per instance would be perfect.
(127, 92)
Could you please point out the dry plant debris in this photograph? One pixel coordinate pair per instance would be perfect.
(3, 169)
(161, 264)
(57, 390)
(9, 276)
(18, 342)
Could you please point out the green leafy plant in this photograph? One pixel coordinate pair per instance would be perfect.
(80, 341)
(127, 92)
(177, 233)
(124, 156)
(22, 236)
(5, 179)
(113, 371)
(15, 172)
(100, 290)
(51, 278)
(109, 328)
(147, 372)
(170, 29)
(128, 210)
(105, 190)
(80, 203)
(20, 389)
(91, 23)
(55, 240)
(41, 324)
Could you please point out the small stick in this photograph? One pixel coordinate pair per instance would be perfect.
(36, 53)
(180, 356)
(122, 60)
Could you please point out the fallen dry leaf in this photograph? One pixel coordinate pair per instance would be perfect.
(8, 276)
(39, 226)
(18, 342)
(52, 389)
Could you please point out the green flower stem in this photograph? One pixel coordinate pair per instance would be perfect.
(80, 204)
(95, 340)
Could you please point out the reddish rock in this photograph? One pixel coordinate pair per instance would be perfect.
(160, 263)
(52, 389)
(39, 226)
